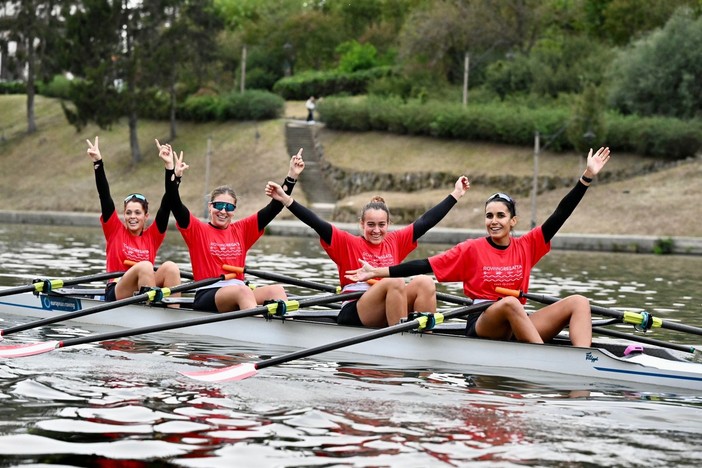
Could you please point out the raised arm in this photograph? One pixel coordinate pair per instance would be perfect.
(107, 205)
(180, 212)
(304, 214)
(595, 163)
(165, 152)
(435, 214)
(270, 211)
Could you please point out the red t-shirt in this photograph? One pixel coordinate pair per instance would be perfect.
(122, 245)
(346, 249)
(210, 248)
(482, 268)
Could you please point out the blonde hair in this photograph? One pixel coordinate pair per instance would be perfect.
(223, 190)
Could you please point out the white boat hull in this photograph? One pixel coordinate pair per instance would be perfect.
(434, 350)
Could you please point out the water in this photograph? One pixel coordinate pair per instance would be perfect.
(122, 402)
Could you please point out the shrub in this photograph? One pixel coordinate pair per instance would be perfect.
(249, 105)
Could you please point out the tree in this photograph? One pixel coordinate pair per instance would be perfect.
(659, 74)
(113, 43)
(35, 26)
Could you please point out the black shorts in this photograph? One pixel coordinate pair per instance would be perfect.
(110, 295)
(471, 320)
(205, 300)
(348, 315)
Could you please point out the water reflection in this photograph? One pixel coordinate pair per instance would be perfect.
(121, 401)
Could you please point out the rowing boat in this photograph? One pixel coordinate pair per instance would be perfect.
(446, 347)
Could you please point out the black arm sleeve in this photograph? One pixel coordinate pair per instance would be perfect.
(164, 211)
(271, 210)
(180, 211)
(411, 268)
(432, 217)
(107, 206)
(307, 216)
(563, 211)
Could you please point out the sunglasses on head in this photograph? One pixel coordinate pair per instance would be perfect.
(220, 205)
(500, 196)
(138, 196)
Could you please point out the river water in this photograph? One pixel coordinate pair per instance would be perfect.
(122, 403)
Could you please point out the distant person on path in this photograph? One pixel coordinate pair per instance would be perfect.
(132, 240)
(388, 301)
(311, 105)
(501, 260)
(223, 241)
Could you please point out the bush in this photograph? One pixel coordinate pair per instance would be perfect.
(328, 83)
(249, 105)
(507, 123)
(58, 87)
(13, 87)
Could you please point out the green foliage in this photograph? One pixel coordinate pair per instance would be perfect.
(663, 246)
(586, 128)
(13, 87)
(91, 101)
(509, 123)
(304, 85)
(355, 56)
(58, 87)
(249, 105)
(660, 74)
(664, 137)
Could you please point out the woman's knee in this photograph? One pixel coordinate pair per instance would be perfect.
(510, 306)
(579, 303)
(169, 267)
(423, 283)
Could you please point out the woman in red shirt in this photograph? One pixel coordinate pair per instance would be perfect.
(388, 301)
(501, 260)
(131, 239)
(223, 241)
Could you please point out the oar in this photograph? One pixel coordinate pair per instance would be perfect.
(283, 279)
(246, 370)
(31, 349)
(47, 285)
(636, 318)
(155, 294)
(644, 339)
(327, 287)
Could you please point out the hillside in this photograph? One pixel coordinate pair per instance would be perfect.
(51, 171)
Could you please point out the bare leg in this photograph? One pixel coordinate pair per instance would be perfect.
(140, 274)
(234, 297)
(573, 311)
(421, 294)
(504, 318)
(385, 303)
(270, 292)
(167, 276)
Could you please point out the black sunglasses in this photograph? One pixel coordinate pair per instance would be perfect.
(220, 205)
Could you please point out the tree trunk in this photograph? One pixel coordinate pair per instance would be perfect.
(31, 122)
(133, 138)
(173, 111)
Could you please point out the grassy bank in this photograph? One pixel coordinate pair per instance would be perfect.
(50, 170)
